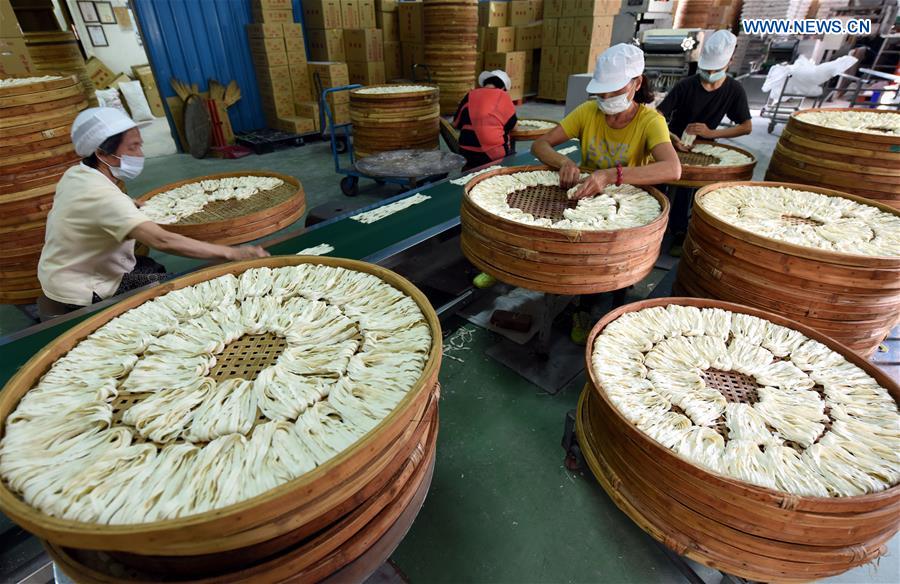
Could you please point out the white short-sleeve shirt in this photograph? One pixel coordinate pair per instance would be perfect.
(85, 248)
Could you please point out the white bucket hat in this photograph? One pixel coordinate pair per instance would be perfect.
(616, 66)
(94, 125)
(501, 74)
(717, 50)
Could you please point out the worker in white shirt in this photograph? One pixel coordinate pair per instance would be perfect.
(88, 252)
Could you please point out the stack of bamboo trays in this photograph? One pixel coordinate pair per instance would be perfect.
(521, 132)
(697, 172)
(451, 48)
(558, 261)
(864, 164)
(383, 122)
(854, 299)
(35, 150)
(341, 519)
(739, 528)
(55, 53)
(239, 221)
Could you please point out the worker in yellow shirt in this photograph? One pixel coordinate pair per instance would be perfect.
(622, 140)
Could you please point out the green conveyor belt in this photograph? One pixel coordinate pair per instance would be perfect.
(350, 239)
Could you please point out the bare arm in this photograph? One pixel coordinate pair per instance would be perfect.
(152, 235)
(542, 149)
(700, 129)
(665, 169)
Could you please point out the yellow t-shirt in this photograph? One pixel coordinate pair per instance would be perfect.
(603, 146)
(86, 249)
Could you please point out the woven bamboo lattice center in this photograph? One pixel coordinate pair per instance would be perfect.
(243, 358)
(231, 209)
(794, 220)
(543, 202)
(697, 159)
(735, 387)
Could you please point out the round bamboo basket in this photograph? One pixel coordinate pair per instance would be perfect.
(868, 165)
(557, 261)
(35, 151)
(319, 521)
(742, 529)
(59, 52)
(383, 122)
(521, 133)
(233, 222)
(854, 299)
(451, 27)
(697, 169)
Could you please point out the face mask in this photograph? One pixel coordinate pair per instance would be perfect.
(613, 105)
(129, 166)
(712, 77)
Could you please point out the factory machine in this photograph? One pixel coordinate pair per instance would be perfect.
(670, 54)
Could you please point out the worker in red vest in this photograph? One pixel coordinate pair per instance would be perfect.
(485, 118)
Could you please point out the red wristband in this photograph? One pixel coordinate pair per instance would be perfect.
(618, 174)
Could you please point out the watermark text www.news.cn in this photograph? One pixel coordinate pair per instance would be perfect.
(806, 26)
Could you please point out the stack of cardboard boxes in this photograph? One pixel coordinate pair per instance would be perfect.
(279, 55)
(510, 37)
(411, 17)
(14, 58)
(387, 19)
(575, 33)
(707, 14)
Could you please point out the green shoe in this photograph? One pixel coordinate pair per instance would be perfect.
(581, 328)
(483, 281)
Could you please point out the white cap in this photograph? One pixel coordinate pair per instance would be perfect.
(717, 50)
(500, 73)
(616, 66)
(94, 125)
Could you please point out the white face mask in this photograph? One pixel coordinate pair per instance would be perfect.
(129, 166)
(613, 105)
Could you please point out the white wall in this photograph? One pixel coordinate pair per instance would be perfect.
(124, 48)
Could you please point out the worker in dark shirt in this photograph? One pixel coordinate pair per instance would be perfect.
(697, 104)
(695, 107)
(485, 118)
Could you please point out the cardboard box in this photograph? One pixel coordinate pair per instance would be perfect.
(350, 13)
(528, 37)
(341, 113)
(367, 14)
(301, 88)
(548, 32)
(273, 16)
(275, 81)
(272, 4)
(537, 10)
(500, 40)
(393, 61)
(493, 14)
(294, 45)
(14, 58)
(591, 31)
(592, 7)
(370, 73)
(549, 60)
(268, 52)
(326, 45)
(296, 125)
(389, 23)
(308, 109)
(564, 32)
(265, 30)
(520, 12)
(275, 107)
(330, 74)
(412, 23)
(514, 65)
(101, 75)
(479, 63)
(554, 8)
(9, 25)
(154, 100)
(413, 53)
(584, 59)
(564, 61)
(386, 5)
(322, 14)
(363, 44)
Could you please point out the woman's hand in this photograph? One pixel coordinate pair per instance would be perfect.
(246, 252)
(700, 129)
(569, 175)
(679, 145)
(593, 185)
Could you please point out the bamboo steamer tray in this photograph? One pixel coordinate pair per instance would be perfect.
(343, 543)
(519, 133)
(697, 169)
(867, 165)
(270, 522)
(451, 52)
(853, 298)
(384, 122)
(557, 261)
(233, 222)
(59, 52)
(742, 529)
